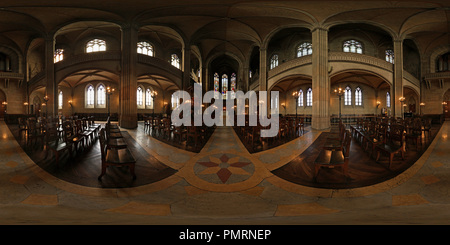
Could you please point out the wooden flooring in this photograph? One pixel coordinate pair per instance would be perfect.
(85, 166)
(363, 169)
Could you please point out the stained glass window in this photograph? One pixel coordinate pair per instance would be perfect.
(216, 83)
(224, 85)
(233, 86)
(352, 46)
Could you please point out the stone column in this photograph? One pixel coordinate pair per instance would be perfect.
(262, 69)
(186, 67)
(51, 88)
(397, 88)
(320, 80)
(128, 79)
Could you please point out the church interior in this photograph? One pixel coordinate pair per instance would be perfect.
(89, 91)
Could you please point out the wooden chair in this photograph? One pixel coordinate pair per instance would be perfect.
(94, 126)
(414, 132)
(377, 139)
(146, 124)
(167, 128)
(34, 131)
(71, 137)
(334, 158)
(22, 126)
(301, 126)
(394, 143)
(426, 128)
(54, 143)
(81, 132)
(194, 134)
(179, 132)
(115, 157)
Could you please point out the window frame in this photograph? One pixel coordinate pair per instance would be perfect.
(347, 96)
(97, 97)
(89, 98)
(60, 100)
(353, 42)
(175, 60)
(302, 47)
(273, 61)
(146, 44)
(140, 97)
(309, 98)
(95, 41)
(358, 96)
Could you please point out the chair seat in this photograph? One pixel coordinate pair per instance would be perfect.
(119, 156)
(330, 158)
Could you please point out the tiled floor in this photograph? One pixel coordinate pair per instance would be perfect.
(224, 184)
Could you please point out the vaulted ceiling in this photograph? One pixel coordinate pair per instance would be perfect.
(227, 26)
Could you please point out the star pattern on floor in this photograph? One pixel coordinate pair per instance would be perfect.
(224, 166)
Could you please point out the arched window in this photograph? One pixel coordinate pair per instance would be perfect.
(101, 95)
(216, 84)
(274, 61)
(358, 96)
(443, 62)
(145, 48)
(58, 55)
(90, 95)
(95, 45)
(224, 85)
(309, 97)
(348, 96)
(390, 56)
(175, 61)
(388, 99)
(233, 86)
(148, 98)
(274, 101)
(174, 100)
(352, 46)
(304, 49)
(300, 98)
(139, 97)
(60, 99)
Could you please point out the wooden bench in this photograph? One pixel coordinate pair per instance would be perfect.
(119, 157)
(334, 158)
